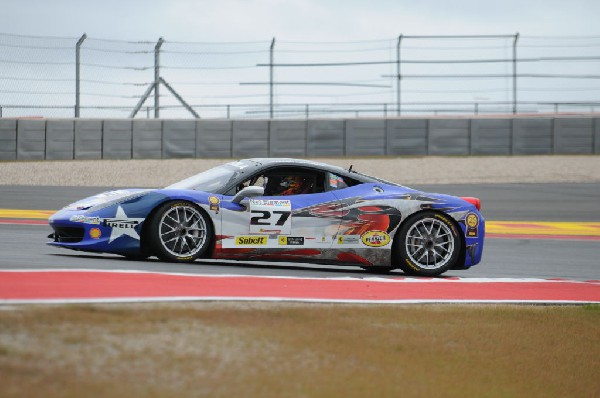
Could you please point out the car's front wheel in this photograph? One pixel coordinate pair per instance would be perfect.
(180, 232)
(427, 244)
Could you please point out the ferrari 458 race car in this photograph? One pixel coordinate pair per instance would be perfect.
(281, 210)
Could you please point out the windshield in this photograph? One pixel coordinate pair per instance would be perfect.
(211, 180)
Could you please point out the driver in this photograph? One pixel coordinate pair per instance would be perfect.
(294, 185)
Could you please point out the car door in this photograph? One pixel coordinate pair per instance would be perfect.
(308, 220)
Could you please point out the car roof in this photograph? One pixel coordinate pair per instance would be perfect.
(295, 162)
(262, 163)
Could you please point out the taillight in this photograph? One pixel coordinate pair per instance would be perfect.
(474, 201)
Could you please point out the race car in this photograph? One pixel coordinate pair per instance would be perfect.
(281, 210)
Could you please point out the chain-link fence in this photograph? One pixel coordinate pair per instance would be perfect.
(406, 75)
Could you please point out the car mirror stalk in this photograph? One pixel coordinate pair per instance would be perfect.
(248, 192)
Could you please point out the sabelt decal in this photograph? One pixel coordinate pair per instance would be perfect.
(251, 240)
(375, 238)
(213, 202)
(348, 239)
(95, 233)
(472, 222)
(291, 240)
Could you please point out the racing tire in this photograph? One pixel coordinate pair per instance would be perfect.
(180, 231)
(427, 244)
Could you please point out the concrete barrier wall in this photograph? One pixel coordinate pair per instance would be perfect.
(491, 136)
(214, 139)
(146, 139)
(325, 138)
(88, 139)
(8, 139)
(65, 139)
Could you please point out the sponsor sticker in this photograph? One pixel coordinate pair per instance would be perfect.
(270, 216)
(375, 238)
(95, 233)
(472, 222)
(86, 220)
(251, 240)
(213, 202)
(122, 225)
(326, 239)
(270, 231)
(291, 240)
(270, 203)
(348, 239)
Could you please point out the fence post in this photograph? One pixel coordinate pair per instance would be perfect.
(271, 57)
(398, 78)
(514, 62)
(77, 73)
(157, 77)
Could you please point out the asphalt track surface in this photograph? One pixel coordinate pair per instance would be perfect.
(23, 246)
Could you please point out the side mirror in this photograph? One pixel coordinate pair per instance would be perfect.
(248, 192)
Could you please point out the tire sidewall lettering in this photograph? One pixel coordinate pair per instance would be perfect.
(449, 223)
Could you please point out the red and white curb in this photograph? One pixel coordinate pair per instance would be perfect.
(100, 286)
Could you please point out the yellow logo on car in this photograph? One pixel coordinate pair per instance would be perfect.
(375, 238)
(95, 233)
(472, 220)
(251, 240)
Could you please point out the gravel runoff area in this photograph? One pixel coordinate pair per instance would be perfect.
(404, 170)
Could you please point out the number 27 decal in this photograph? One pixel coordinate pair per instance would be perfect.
(265, 217)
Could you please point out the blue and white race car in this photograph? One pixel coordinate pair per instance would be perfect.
(282, 210)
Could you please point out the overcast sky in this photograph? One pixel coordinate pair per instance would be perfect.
(234, 20)
(37, 71)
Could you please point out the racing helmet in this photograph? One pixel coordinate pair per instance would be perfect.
(293, 185)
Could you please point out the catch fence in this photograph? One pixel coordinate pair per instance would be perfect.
(276, 79)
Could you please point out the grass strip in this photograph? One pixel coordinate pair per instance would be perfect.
(230, 349)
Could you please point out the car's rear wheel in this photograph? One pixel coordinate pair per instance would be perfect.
(180, 232)
(427, 244)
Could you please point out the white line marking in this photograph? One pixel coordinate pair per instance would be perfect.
(399, 279)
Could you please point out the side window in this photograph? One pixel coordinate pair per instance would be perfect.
(335, 182)
(290, 184)
(257, 181)
(286, 181)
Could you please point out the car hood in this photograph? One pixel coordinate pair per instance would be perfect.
(105, 198)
